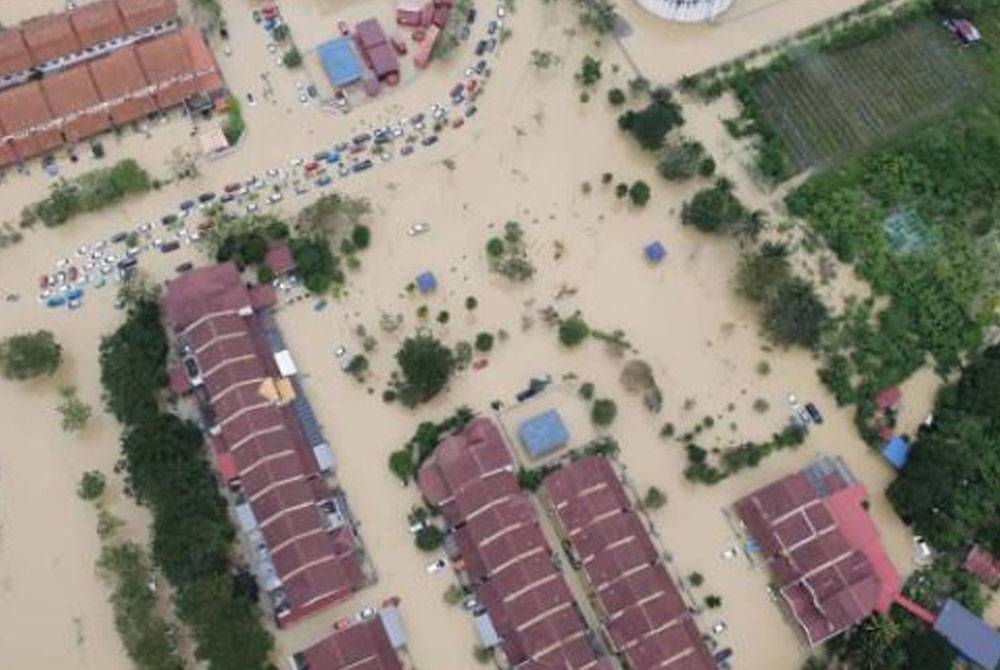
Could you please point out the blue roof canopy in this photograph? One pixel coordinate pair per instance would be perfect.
(969, 635)
(896, 451)
(655, 252)
(426, 282)
(342, 65)
(543, 434)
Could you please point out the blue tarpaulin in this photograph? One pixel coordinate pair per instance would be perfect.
(896, 451)
(971, 637)
(426, 282)
(543, 433)
(342, 65)
(655, 252)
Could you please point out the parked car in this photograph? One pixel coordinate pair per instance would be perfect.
(480, 47)
(362, 165)
(429, 140)
(814, 413)
(184, 267)
(406, 150)
(437, 566)
(118, 238)
(323, 181)
(206, 197)
(167, 247)
(186, 205)
(418, 228)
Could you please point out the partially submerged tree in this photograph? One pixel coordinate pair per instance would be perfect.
(426, 366)
(30, 355)
(75, 413)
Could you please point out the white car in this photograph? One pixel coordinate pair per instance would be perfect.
(82, 251)
(340, 351)
(295, 162)
(437, 566)
(501, 12)
(366, 613)
(251, 207)
(418, 228)
(274, 198)
(719, 627)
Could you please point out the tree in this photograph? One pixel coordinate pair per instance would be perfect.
(292, 58)
(281, 32)
(333, 214)
(714, 209)
(573, 331)
(603, 411)
(234, 125)
(713, 601)
(931, 650)
(639, 193)
(654, 498)
(75, 413)
(91, 486)
(316, 264)
(590, 71)
(401, 464)
(598, 15)
(795, 314)
(471, 303)
(427, 366)
(429, 538)
(616, 97)
(761, 273)
(484, 342)
(357, 366)
(361, 236)
(651, 125)
(494, 247)
(681, 159)
(587, 390)
(696, 579)
(30, 355)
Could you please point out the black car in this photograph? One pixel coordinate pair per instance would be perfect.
(470, 111)
(169, 219)
(362, 166)
(362, 138)
(470, 17)
(184, 267)
(429, 140)
(723, 655)
(406, 150)
(417, 118)
(187, 204)
(172, 245)
(480, 66)
(126, 263)
(118, 238)
(311, 91)
(481, 47)
(206, 197)
(227, 197)
(814, 413)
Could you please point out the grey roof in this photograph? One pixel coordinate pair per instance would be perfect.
(393, 624)
(487, 632)
(969, 635)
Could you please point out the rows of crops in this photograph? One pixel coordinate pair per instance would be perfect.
(828, 104)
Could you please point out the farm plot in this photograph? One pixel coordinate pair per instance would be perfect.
(825, 105)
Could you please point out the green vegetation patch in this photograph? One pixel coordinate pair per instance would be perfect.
(826, 104)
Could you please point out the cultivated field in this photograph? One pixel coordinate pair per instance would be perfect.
(826, 105)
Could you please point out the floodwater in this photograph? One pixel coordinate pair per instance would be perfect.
(524, 157)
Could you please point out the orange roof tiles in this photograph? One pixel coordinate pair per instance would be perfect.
(14, 55)
(70, 91)
(97, 22)
(49, 37)
(165, 60)
(119, 74)
(141, 14)
(202, 60)
(21, 108)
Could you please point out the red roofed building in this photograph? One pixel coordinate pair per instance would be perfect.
(97, 22)
(983, 565)
(167, 66)
(369, 644)
(888, 398)
(642, 612)
(72, 96)
(822, 548)
(504, 554)
(279, 258)
(121, 82)
(140, 15)
(14, 54)
(266, 442)
(50, 37)
(375, 49)
(23, 112)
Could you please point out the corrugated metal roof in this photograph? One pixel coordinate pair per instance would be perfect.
(971, 637)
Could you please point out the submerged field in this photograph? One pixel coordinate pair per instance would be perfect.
(826, 104)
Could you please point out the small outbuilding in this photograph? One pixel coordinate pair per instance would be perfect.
(896, 451)
(426, 282)
(971, 637)
(543, 434)
(655, 252)
(280, 259)
(888, 398)
(983, 565)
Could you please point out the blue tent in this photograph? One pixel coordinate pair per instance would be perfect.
(971, 637)
(896, 451)
(426, 282)
(342, 65)
(543, 434)
(655, 252)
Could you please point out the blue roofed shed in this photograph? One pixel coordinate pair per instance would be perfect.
(341, 63)
(896, 451)
(426, 282)
(971, 637)
(655, 252)
(543, 434)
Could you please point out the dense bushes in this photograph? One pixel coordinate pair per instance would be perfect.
(89, 192)
(715, 209)
(426, 365)
(651, 125)
(167, 471)
(683, 158)
(30, 355)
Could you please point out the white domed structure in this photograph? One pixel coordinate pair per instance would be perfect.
(686, 11)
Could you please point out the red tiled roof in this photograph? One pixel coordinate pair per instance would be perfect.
(640, 606)
(118, 75)
(822, 548)
(21, 108)
(279, 258)
(888, 397)
(983, 565)
(70, 91)
(14, 55)
(507, 558)
(260, 443)
(368, 33)
(165, 61)
(362, 646)
(97, 22)
(382, 58)
(142, 14)
(50, 37)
